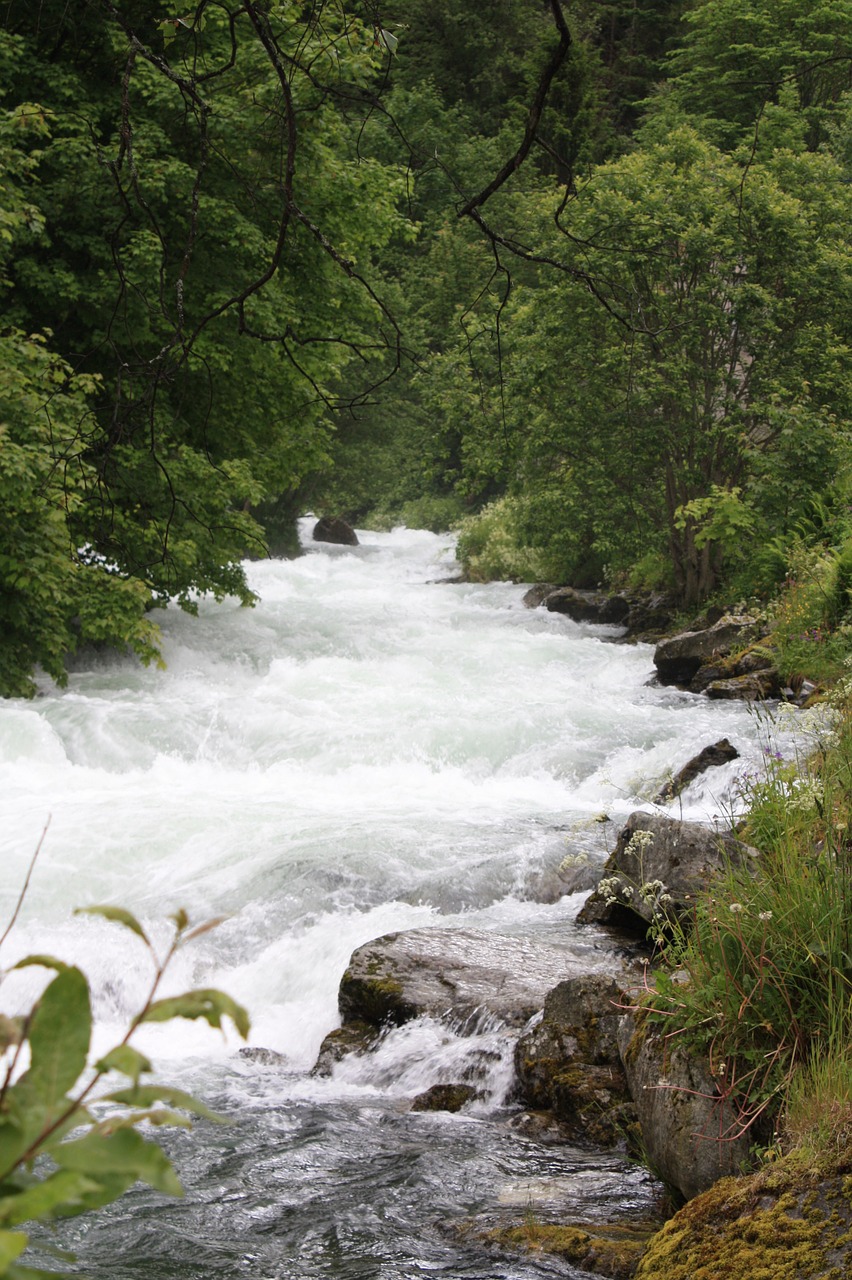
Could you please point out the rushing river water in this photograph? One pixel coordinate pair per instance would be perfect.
(369, 749)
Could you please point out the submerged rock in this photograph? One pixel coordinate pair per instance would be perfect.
(445, 1097)
(461, 973)
(334, 529)
(603, 1249)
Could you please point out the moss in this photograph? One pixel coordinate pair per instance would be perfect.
(780, 1224)
(604, 1250)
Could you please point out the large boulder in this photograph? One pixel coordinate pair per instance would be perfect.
(569, 1061)
(691, 1136)
(679, 658)
(459, 973)
(657, 867)
(334, 529)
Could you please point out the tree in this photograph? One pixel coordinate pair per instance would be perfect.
(197, 263)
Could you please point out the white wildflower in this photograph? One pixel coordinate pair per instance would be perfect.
(736, 908)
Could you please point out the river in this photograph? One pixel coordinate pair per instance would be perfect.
(373, 747)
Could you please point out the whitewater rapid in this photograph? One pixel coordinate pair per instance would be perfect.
(373, 747)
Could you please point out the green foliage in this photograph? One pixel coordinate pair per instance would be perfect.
(766, 970)
(489, 546)
(809, 635)
(66, 1146)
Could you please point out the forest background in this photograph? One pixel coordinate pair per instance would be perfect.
(576, 274)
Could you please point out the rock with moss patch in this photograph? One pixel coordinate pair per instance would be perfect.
(778, 1224)
(445, 1097)
(357, 1036)
(569, 1061)
(460, 974)
(678, 658)
(602, 1249)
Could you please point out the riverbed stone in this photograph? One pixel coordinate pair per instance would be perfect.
(445, 1097)
(569, 1061)
(718, 753)
(691, 1136)
(657, 867)
(588, 606)
(755, 686)
(461, 974)
(678, 658)
(336, 530)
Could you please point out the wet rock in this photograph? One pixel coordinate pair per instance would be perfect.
(657, 867)
(650, 615)
(538, 593)
(569, 1060)
(601, 1249)
(333, 529)
(755, 687)
(355, 1037)
(680, 657)
(445, 1097)
(721, 752)
(588, 606)
(262, 1057)
(690, 1134)
(461, 974)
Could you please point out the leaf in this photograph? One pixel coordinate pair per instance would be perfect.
(12, 1243)
(124, 1058)
(44, 1199)
(117, 914)
(181, 919)
(388, 39)
(11, 1030)
(206, 1003)
(147, 1095)
(124, 1152)
(59, 1035)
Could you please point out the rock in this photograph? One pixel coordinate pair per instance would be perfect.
(333, 529)
(263, 1057)
(461, 973)
(569, 1061)
(679, 658)
(721, 752)
(755, 687)
(355, 1037)
(588, 606)
(602, 1249)
(690, 1134)
(537, 594)
(444, 1097)
(657, 867)
(779, 1223)
(650, 615)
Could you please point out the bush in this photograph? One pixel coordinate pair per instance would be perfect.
(491, 550)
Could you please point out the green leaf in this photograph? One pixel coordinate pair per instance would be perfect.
(124, 1058)
(62, 1191)
(206, 1003)
(59, 1036)
(117, 914)
(12, 1243)
(148, 1095)
(124, 1152)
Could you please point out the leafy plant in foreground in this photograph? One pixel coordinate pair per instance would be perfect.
(66, 1146)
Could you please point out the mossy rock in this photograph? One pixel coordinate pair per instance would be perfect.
(604, 1250)
(774, 1225)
